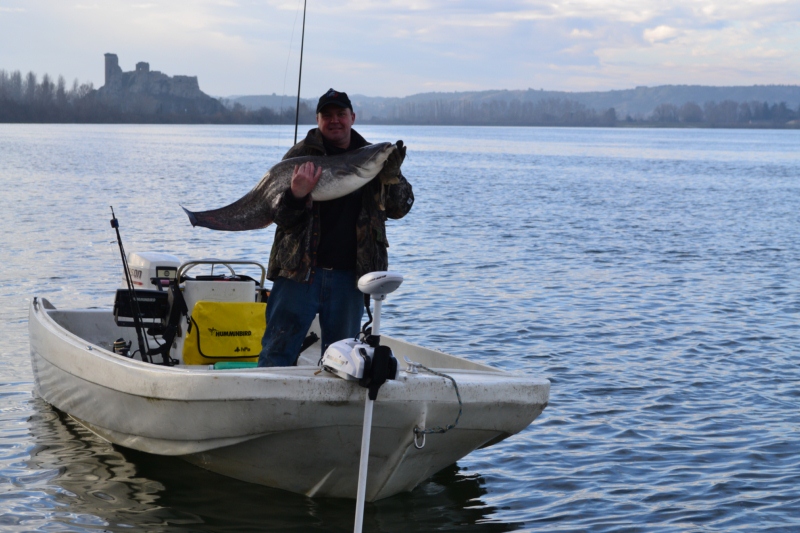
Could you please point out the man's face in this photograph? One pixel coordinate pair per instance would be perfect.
(334, 123)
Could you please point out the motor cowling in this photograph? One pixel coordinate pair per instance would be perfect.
(354, 360)
(151, 270)
(348, 359)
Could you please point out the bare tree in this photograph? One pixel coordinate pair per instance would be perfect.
(15, 86)
(72, 94)
(780, 113)
(46, 91)
(690, 112)
(61, 92)
(4, 83)
(30, 87)
(610, 117)
(83, 90)
(665, 113)
(725, 112)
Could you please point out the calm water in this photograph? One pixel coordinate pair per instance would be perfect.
(652, 275)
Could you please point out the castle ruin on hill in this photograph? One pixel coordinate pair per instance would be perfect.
(147, 92)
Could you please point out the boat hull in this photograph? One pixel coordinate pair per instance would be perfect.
(292, 428)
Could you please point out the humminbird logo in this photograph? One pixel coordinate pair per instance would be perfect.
(217, 333)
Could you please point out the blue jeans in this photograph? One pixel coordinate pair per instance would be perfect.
(292, 307)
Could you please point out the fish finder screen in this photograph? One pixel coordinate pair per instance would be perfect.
(166, 273)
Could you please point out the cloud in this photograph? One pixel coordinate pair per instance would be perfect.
(398, 47)
(580, 34)
(659, 33)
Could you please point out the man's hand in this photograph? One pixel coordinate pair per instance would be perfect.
(304, 179)
(391, 169)
(397, 157)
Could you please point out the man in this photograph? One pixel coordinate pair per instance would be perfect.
(322, 248)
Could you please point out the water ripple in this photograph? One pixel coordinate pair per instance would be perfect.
(652, 276)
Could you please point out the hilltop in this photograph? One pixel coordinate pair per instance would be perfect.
(666, 103)
(150, 92)
(138, 96)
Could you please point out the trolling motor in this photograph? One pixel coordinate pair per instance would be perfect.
(364, 360)
(367, 362)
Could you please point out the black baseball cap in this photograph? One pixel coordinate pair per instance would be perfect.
(335, 98)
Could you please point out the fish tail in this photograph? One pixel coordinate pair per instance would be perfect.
(192, 216)
(230, 219)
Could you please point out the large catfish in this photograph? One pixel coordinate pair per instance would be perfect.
(341, 175)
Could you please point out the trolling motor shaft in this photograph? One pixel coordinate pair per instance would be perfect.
(367, 362)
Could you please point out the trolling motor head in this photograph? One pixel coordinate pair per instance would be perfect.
(366, 361)
(376, 285)
(379, 284)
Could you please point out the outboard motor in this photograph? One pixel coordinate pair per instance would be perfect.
(151, 270)
(142, 302)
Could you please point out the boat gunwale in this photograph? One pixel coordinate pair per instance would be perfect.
(267, 383)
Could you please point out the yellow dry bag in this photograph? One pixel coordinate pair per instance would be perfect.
(224, 331)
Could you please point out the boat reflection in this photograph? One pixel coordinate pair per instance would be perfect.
(92, 483)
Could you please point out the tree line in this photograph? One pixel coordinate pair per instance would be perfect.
(29, 99)
(25, 99)
(726, 113)
(566, 112)
(547, 112)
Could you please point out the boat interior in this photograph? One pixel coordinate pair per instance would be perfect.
(163, 320)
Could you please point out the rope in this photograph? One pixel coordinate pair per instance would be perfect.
(438, 429)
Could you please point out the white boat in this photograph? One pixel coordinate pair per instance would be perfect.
(294, 428)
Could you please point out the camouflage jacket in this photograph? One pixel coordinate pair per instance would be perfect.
(293, 251)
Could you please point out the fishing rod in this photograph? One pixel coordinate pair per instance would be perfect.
(134, 303)
(300, 75)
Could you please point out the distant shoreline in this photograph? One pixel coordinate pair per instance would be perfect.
(139, 97)
(619, 125)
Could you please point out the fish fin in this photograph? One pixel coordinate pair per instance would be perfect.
(192, 217)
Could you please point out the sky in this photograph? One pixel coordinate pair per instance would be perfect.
(404, 47)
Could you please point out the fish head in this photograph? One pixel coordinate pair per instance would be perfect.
(372, 159)
(345, 173)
